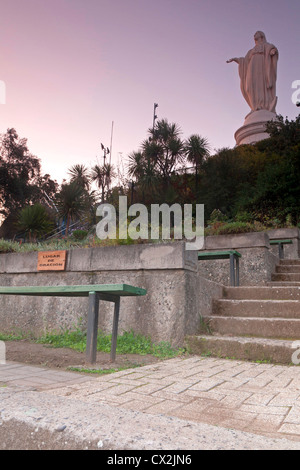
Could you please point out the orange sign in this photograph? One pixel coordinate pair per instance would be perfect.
(51, 260)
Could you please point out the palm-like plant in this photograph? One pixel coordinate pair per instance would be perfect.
(196, 149)
(135, 166)
(110, 174)
(80, 175)
(103, 176)
(142, 167)
(34, 221)
(71, 202)
(165, 147)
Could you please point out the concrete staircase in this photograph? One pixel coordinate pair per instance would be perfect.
(254, 323)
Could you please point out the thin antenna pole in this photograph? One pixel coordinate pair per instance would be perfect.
(154, 115)
(111, 139)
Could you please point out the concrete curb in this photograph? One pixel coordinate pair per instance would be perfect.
(35, 420)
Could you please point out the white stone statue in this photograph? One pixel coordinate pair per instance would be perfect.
(258, 73)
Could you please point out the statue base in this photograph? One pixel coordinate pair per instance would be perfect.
(254, 128)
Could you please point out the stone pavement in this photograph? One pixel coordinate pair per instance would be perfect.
(262, 399)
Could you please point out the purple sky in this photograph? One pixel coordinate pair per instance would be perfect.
(72, 67)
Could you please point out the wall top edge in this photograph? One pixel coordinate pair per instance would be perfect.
(114, 258)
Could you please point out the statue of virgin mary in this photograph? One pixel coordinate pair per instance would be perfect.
(258, 73)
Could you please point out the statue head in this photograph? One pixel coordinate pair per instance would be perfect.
(259, 37)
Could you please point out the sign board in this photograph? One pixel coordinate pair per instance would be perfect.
(51, 260)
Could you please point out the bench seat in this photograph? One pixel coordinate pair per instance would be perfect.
(73, 291)
(95, 293)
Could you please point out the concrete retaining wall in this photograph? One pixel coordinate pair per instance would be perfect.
(290, 251)
(180, 288)
(256, 265)
(167, 313)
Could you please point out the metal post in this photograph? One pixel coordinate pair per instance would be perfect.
(115, 330)
(237, 271)
(92, 329)
(232, 276)
(154, 116)
(280, 248)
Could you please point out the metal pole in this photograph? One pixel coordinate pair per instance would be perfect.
(115, 331)
(237, 271)
(154, 115)
(111, 138)
(232, 276)
(92, 329)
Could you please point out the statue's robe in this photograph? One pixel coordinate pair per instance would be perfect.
(258, 73)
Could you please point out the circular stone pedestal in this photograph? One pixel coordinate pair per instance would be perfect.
(254, 128)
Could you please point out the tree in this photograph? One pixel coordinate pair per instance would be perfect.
(164, 147)
(80, 175)
(154, 164)
(19, 173)
(71, 202)
(135, 166)
(21, 181)
(103, 176)
(284, 134)
(196, 149)
(277, 192)
(144, 171)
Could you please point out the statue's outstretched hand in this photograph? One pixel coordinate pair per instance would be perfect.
(235, 59)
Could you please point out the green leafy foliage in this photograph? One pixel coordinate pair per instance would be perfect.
(79, 234)
(128, 343)
(21, 180)
(34, 221)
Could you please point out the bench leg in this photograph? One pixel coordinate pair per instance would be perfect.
(280, 251)
(92, 329)
(237, 272)
(115, 331)
(232, 271)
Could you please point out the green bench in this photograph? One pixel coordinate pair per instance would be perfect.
(280, 244)
(233, 257)
(95, 293)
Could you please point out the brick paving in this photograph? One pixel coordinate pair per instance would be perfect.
(257, 398)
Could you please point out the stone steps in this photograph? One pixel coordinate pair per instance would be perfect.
(259, 327)
(283, 284)
(289, 262)
(256, 308)
(288, 268)
(272, 292)
(290, 277)
(255, 323)
(242, 348)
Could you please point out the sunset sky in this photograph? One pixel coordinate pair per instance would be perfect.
(72, 67)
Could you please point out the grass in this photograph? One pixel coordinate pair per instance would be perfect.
(101, 371)
(12, 337)
(128, 343)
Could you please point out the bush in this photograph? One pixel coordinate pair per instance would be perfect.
(217, 216)
(79, 234)
(7, 246)
(34, 221)
(232, 228)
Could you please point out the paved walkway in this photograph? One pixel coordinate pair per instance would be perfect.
(257, 398)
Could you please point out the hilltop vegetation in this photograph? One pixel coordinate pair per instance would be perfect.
(250, 187)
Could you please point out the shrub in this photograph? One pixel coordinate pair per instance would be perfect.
(7, 246)
(231, 228)
(79, 234)
(34, 221)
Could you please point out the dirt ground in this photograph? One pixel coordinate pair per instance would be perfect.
(26, 352)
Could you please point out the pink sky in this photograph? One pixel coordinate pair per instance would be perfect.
(72, 67)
